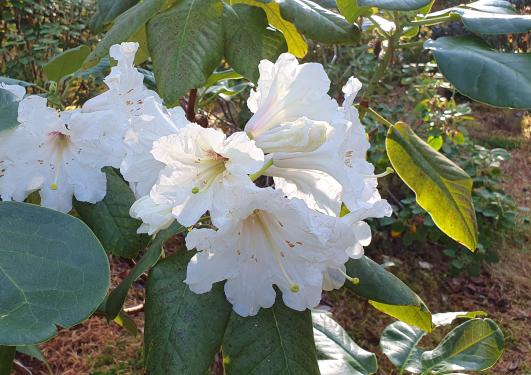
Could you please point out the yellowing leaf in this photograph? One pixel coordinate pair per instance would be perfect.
(296, 43)
(418, 316)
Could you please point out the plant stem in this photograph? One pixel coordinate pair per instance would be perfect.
(378, 117)
(265, 167)
(411, 44)
(386, 60)
(190, 106)
(434, 20)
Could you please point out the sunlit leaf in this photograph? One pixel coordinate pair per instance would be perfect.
(65, 63)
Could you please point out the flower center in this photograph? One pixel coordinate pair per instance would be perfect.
(60, 143)
(263, 220)
(209, 168)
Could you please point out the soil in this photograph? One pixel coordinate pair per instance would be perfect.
(503, 290)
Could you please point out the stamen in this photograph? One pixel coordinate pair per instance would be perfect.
(293, 286)
(353, 280)
(388, 171)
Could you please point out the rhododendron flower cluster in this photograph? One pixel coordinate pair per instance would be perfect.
(287, 233)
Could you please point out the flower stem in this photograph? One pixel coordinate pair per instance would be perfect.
(264, 168)
(378, 117)
(190, 106)
(434, 20)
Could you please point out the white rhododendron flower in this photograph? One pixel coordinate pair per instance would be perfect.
(201, 166)
(286, 92)
(270, 240)
(139, 167)
(54, 153)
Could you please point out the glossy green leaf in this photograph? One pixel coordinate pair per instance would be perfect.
(53, 271)
(395, 4)
(65, 63)
(399, 340)
(491, 23)
(123, 27)
(442, 188)
(183, 330)
(399, 343)
(276, 341)
(12, 81)
(248, 39)
(352, 11)
(117, 297)
(318, 23)
(8, 110)
(7, 355)
(335, 345)
(186, 45)
(485, 75)
(475, 345)
(107, 11)
(109, 219)
(493, 6)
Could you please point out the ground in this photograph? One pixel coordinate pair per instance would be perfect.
(503, 290)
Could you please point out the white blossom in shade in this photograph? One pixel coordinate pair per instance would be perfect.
(16, 90)
(139, 167)
(201, 168)
(301, 135)
(269, 240)
(53, 153)
(156, 216)
(287, 91)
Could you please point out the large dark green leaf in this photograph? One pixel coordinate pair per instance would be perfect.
(388, 293)
(491, 23)
(493, 6)
(183, 329)
(53, 271)
(186, 45)
(394, 4)
(337, 348)
(65, 63)
(249, 40)
(485, 75)
(276, 341)
(8, 110)
(117, 297)
(107, 11)
(442, 188)
(110, 219)
(318, 23)
(7, 355)
(124, 26)
(475, 345)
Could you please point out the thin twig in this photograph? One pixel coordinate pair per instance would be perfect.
(135, 309)
(190, 106)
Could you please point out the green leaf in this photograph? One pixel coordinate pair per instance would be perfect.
(491, 23)
(8, 110)
(127, 24)
(248, 40)
(334, 344)
(186, 45)
(395, 4)
(7, 355)
(125, 321)
(388, 293)
(399, 340)
(12, 81)
(352, 11)
(107, 11)
(118, 295)
(493, 6)
(32, 351)
(485, 75)
(277, 340)
(65, 63)
(318, 23)
(475, 345)
(399, 343)
(110, 219)
(53, 271)
(441, 187)
(183, 329)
